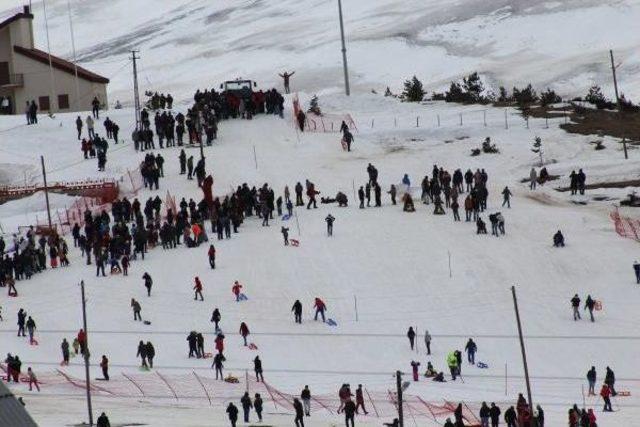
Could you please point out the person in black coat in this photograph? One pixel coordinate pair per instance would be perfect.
(494, 413)
(257, 405)
(349, 412)
(297, 311)
(299, 420)
(142, 353)
(103, 421)
(215, 318)
(411, 334)
(246, 406)
(257, 367)
(232, 410)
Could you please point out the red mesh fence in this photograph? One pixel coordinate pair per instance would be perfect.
(324, 122)
(197, 388)
(625, 226)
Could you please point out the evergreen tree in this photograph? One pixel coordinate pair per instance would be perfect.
(504, 95)
(473, 87)
(413, 90)
(549, 97)
(537, 148)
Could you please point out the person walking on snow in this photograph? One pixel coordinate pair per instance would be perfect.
(605, 393)
(320, 307)
(32, 379)
(471, 349)
(610, 380)
(257, 368)
(506, 196)
(212, 257)
(590, 304)
(104, 365)
(414, 369)
(575, 305)
(305, 395)
(427, 341)
(217, 364)
(591, 379)
(297, 311)
(142, 353)
(215, 318)
(65, 351)
(299, 420)
(232, 411)
(285, 235)
(244, 332)
(533, 179)
(148, 283)
(330, 219)
(236, 290)
(452, 362)
(246, 403)
(31, 328)
(198, 289)
(411, 334)
(360, 400)
(636, 270)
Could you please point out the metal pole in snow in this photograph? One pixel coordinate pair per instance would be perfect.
(505, 379)
(297, 223)
(255, 157)
(353, 184)
(449, 253)
(347, 91)
(506, 122)
(355, 304)
(86, 353)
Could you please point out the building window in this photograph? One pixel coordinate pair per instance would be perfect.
(63, 102)
(43, 103)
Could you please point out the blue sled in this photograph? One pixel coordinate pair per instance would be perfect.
(482, 365)
(286, 217)
(331, 322)
(242, 297)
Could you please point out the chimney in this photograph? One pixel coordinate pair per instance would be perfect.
(27, 9)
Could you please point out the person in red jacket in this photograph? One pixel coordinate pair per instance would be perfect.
(244, 331)
(320, 307)
(220, 343)
(198, 289)
(605, 392)
(236, 290)
(82, 340)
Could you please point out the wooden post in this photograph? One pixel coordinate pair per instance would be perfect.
(86, 353)
(438, 120)
(506, 121)
(399, 391)
(417, 121)
(255, 157)
(355, 305)
(46, 189)
(460, 119)
(484, 113)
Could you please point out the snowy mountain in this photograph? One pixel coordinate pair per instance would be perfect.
(559, 44)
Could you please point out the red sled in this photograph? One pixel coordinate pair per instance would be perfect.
(624, 393)
(598, 305)
(344, 144)
(207, 355)
(13, 294)
(295, 243)
(252, 346)
(34, 342)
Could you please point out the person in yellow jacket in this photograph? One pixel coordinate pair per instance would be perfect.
(452, 362)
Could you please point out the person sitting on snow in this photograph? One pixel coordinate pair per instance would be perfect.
(408, 203)
(481, 227)
(558, 240)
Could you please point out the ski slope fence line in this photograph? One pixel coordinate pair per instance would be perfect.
(325, 123)
(625, 226)
(195, 388)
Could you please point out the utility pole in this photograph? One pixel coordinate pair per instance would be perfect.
(136, 93)
(399, 391)
(347, 91)
(75, 63)
(86, 353)
(46, 190)
(615, 86)
(524, 353)
(51, 77)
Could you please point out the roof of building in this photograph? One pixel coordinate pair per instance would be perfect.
(12, 412)
(60, 64)
(8, 20)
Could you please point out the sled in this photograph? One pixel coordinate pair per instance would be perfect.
(232, 380)
(482, 365)
(624, 393)
(146, 322)
(331, 322)
(101, 379)
(34, 342)
(207, 356)
(286, 217)
(13, 294)
(598, 306)
(252, 346)
(295, 243)
(242, 297)
(344, 144)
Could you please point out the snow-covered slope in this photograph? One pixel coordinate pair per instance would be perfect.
(560, 44)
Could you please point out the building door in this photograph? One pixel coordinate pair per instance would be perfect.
(4, 73)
